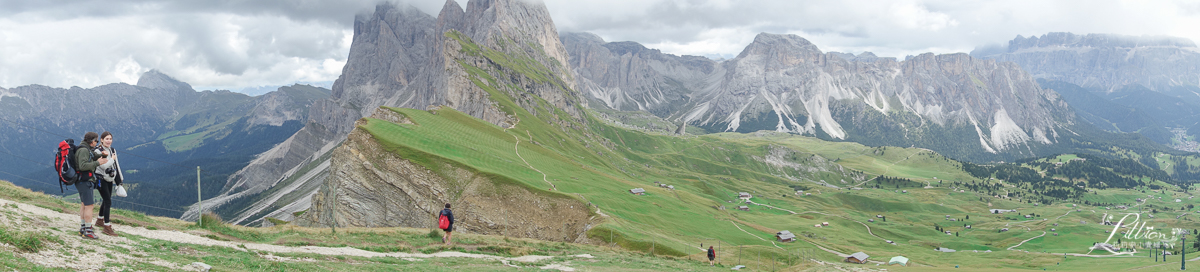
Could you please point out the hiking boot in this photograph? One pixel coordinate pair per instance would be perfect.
(88, 233)
(99, 221)
(108, 230)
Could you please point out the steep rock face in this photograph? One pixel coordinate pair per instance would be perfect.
(1104, 61)
(401, 57)
(790, 78)
(288, 103)
(630, 77)
(370, 187)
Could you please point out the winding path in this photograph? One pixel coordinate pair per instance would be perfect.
(518, 151)
(755, 236)
(1027, 240)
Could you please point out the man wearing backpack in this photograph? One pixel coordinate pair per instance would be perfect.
(85, 163)
(446, 223)
(712, 254)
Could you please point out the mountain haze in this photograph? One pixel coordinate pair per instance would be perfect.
(1103, 61)
(158, 124)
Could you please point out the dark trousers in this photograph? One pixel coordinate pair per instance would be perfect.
(105, 189)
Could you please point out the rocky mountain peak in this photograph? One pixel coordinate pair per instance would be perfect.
(490, 22)
(451, 15)
(766, 43)
(154, 79)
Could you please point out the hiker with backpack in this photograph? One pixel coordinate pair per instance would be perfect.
(446, 223)
(86, 163)
(712, 254)
(110, 177)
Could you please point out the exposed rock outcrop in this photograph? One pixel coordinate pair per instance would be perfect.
(370, 187)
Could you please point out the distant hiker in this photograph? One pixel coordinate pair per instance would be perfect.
(86, 162)
(446, 223)
(110, 177)
(712, 254)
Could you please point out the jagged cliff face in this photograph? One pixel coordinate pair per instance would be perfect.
(784, 83)
(370, 187)
(401, 57)
(1104, 61)
(627, 76)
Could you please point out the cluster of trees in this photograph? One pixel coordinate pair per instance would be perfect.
(884, 182)
(1090, 172)
(1184, 172)
(979, 186)
(1095, 175)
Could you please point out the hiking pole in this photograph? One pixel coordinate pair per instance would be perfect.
(199, 201)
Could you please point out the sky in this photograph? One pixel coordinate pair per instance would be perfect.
(248, 45)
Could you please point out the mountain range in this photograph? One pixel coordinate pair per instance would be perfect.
(286, 154)
(162, 128)
(1156, 76)
(401, 57)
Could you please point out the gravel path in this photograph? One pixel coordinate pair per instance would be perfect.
(93, 254)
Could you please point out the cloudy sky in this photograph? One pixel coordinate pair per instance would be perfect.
(236, 44)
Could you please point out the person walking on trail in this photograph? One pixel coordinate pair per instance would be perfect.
(446, 223)
(110, 177)
(712, 254)
(86, 162)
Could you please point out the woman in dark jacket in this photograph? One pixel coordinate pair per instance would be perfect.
(109, 177)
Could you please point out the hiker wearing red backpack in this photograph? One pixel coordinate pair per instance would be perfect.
(86, 162)
(446, 223)
(110, 178)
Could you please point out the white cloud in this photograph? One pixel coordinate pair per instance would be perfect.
(914, 16)
(231, 44)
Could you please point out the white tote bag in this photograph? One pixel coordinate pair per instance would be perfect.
(120, 191)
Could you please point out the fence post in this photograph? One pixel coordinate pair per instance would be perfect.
(199, 200)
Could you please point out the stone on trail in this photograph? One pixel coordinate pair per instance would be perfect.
(202, 266)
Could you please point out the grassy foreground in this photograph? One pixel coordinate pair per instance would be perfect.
(20, 243)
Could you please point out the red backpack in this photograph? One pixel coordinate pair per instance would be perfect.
(443, 221)
(64, 164)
